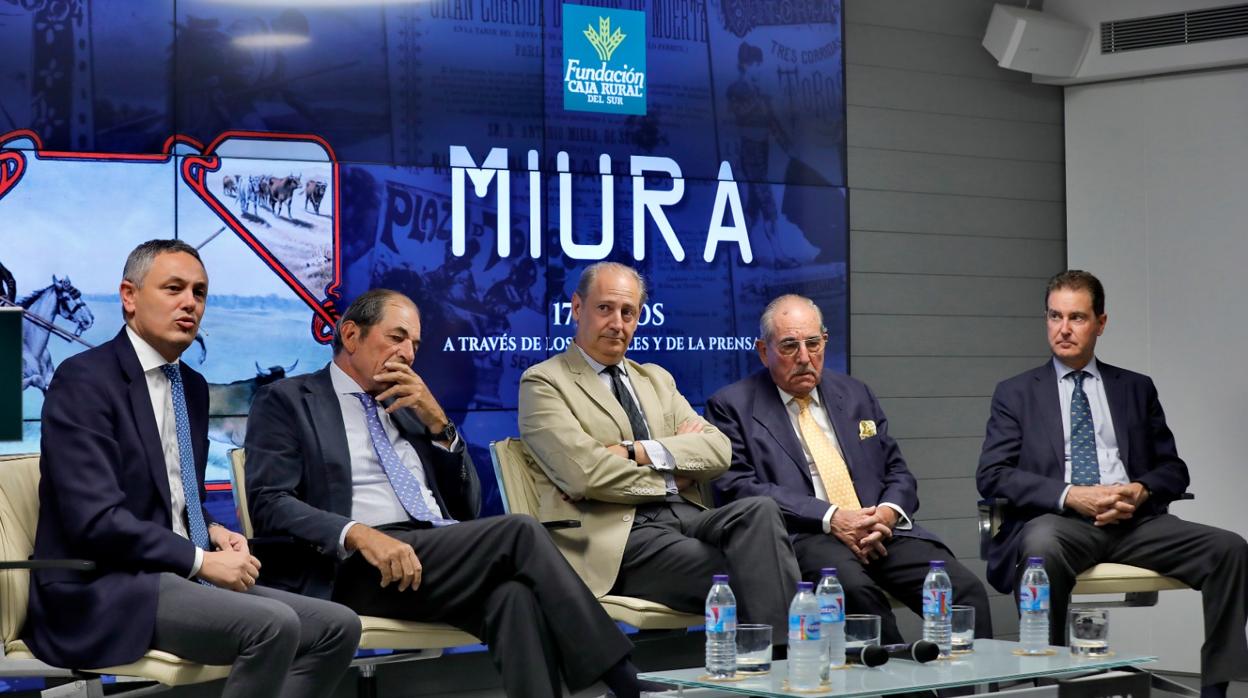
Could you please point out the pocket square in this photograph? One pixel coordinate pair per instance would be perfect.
(866, 429)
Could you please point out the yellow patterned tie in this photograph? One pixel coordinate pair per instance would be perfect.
(828, 461)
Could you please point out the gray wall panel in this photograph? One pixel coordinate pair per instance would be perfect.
(941, 295)
(942, 214)
(928, 417)
(938, 376)
(957, 216)
(966, 255)
(947, 456)
(922, 51)
(874, 127)
(956, 18)
(929, 173)
(871, 86)
(928, 335)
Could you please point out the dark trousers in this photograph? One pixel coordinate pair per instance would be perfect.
(675, 547)
(503, 580)
(279, 643)
(1209, 559)
(900, 573)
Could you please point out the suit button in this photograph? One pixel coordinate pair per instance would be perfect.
(627, 517)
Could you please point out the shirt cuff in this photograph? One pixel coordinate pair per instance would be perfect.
(199, 562)
(827, 518)
(1061, 501)
(451, 448)
(343, 553)
(660, 458)
(904, 523)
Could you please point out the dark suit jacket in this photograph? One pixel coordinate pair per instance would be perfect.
(299, 477)
(767, 457)
(104, 496)
(1023, 460)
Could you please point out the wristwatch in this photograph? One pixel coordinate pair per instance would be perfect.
(632, 450)
(447, 434)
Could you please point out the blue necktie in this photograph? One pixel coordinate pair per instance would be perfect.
(406, 487)
(1084, 469)
(186, 459)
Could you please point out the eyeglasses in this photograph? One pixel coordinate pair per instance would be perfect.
(814, 345)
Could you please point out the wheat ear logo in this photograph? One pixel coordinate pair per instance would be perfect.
(604, 41)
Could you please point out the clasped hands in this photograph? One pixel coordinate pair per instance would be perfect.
(231, 565)
(864, 531)
(1106, 504)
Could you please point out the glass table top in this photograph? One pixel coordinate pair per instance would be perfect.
(992, 660)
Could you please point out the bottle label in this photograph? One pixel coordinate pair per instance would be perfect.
(832, 608)
(803, 627)
(721, 619)
(1033, 597)
(936, 602)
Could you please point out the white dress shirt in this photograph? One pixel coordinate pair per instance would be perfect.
(373, 501)
(159, 391)
(825, 424)
(1108, 459)
(661, 459)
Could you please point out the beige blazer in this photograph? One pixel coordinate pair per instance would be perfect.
(567, 419)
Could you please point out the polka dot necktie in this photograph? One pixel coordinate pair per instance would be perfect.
(1084, 469)
(833, 471)
(195, 525)
(406, 487)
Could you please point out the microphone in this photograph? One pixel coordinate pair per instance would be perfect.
(867, 655)
(921, 651)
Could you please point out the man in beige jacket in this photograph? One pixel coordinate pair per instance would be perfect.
(625, 454)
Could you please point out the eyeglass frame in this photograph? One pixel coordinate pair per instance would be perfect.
(796, 344)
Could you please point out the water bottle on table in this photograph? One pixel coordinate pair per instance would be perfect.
(805, 642)
(721, 629)
(937, 603)
(831, 598)
(1033, 608)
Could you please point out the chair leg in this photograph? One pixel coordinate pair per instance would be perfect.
(79, 688)
(367, 684)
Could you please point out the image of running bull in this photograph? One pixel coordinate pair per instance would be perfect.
(229, 403)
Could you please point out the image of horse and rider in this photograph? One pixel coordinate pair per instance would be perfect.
(58, 300)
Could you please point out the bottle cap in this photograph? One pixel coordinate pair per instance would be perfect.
(1035, 560)
(828, 571)
(716, 579)
(938, 563)
(805, 586)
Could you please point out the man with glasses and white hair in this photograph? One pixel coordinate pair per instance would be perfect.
(818, 444)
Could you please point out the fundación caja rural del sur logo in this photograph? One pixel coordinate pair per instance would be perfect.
(604, 53)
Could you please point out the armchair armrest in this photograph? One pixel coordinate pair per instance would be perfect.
(80, 565)
(991, 512)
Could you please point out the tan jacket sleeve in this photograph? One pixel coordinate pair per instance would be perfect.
(703, 455)
(570, 445)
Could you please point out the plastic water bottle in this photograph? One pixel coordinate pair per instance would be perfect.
(1033, 608)
(721, 629)
(937, 608)
(831, 599)
(805, 642)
